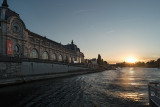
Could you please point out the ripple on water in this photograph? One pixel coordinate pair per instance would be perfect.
(104, 89)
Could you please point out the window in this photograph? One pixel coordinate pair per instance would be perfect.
(16, 49)
(70, 60)
(34, 54)
(53, 57)
(60, 58)
(66, 59)
(73, 59)
(45, 55)
(80, 60)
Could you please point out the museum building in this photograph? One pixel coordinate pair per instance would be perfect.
(17, 41)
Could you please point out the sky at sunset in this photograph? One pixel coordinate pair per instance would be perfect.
(116, 29)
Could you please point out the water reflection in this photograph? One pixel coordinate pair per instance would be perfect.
(126, 87)
(133, 96)
(131, 71)
(134, 82)
(131, 79)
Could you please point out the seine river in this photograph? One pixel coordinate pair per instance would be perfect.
(126, 87)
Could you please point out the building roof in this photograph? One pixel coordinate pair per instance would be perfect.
(72, 46)
(5, 4)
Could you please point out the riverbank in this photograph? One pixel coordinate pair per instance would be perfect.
(31, 78)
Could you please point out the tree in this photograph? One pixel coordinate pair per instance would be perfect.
(151, 63)
(140, 64)
(99, 60)
(102, 62)
(158, 62)
(105, 63)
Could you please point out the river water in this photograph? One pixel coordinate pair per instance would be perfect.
(126, 87)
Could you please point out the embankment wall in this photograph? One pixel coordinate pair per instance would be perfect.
(17, 69)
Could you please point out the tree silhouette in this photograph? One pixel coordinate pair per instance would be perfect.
(99, 60)
(158, 62)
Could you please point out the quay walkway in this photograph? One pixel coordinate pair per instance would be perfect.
(154, 94)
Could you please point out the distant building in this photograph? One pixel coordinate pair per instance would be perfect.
(92, 63)
(17, 41)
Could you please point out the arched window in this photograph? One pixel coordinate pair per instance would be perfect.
(16, 49)
(73, 60)
(66, 59)
(70, 60)
(45, 55)
(60, 58)
(53, 57)
(34, 54)
(80, 60)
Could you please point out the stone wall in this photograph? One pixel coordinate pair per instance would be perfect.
(14, 69)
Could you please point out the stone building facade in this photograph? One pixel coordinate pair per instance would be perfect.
(17, 41)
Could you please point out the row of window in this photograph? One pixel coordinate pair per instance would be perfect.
(54, 57)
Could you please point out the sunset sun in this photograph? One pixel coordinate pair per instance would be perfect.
(131, 60)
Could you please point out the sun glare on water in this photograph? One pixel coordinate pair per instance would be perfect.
(131, 60)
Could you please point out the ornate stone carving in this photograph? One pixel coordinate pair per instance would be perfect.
(17, 27)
